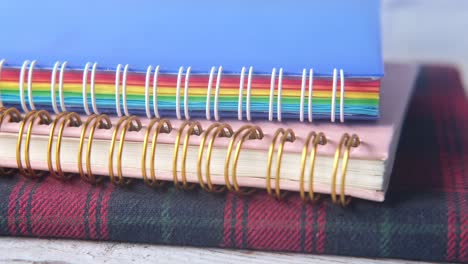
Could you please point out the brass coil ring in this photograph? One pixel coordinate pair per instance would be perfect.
(66, 119)
(193, 128)
(31, 117)
(99, 122)
(245, 132)
(315, 139)
(163, 126)
(348, 142)
(220, 130)
(130, 123)
(286, 136)
(12, 115)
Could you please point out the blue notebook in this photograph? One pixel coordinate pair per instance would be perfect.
(296, 39)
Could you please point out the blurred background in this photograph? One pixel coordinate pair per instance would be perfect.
(426, 31)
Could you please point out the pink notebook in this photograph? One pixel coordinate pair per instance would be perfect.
(283, 163)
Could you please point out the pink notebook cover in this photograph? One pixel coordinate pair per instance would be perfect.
(378, 139)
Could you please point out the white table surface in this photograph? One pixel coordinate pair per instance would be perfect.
(33, 250)
(413, 31)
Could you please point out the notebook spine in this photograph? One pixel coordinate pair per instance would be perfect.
(129, 124)
(214, 82)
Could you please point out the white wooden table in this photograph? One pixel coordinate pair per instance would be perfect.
(32, 250)
(413, 31)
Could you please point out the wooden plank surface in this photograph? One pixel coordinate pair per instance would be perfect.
(33, 250)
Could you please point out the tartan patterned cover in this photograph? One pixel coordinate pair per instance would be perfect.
(424, 217)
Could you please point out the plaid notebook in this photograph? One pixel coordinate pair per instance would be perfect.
(424, 217)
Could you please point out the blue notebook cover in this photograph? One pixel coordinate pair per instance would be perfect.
(318, 34)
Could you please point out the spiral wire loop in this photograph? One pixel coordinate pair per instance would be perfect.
(31, 117)
(161, 126)
(192, 128)
(348, 142)
(219, 130)
(246, 132)
(314, 139)
(128, 123)
(284, 136)
(12, 115)
(63, 119)
(96, 122)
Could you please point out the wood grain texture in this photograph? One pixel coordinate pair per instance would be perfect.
(33, 250)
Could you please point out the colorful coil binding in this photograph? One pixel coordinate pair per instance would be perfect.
(276, 84)
(188, 128)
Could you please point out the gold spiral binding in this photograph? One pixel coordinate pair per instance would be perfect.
(348, 142)
(193, 128)
(245, 132)
(132, 123)
(315, 139)
(220, 130)
(286, 136)
(13, 115)
(163, 126)
(44, 119)
(63, 119)
(128, 123)
(100, 122)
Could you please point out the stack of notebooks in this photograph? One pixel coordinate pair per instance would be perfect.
(269, 95)
(214, 97)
